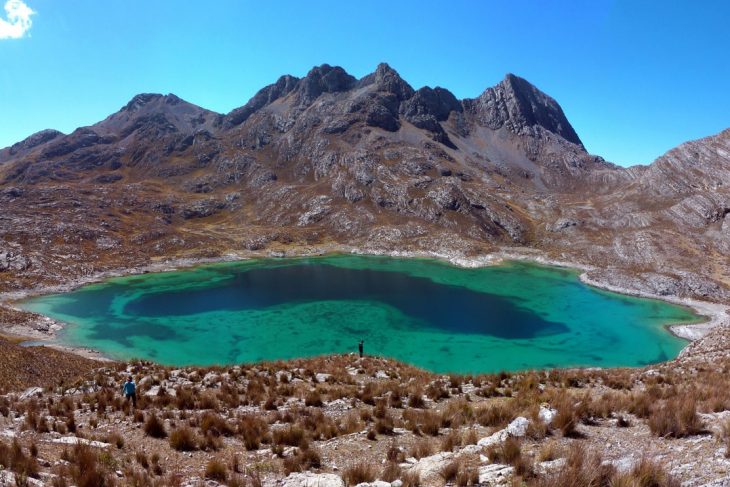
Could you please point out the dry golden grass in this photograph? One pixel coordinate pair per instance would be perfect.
(676, 418)
(358, 473)
(23, 367)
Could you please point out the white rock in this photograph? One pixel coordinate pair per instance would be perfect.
(30, 392)
(468, 388)
(339, 405)
(153, 391)
(75, 440)
(622, 465)
(546, 414)
(495, 474)
(396, 483)
(433, 464)
(309, 479)
(377, 483)
(517, 428)
(471, 449)
(211, 378)
(381, 374)
(321, 377)
(551, 465)
(8, 478)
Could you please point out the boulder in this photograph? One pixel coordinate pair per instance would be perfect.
(322, 377)
(432, 465)
(309, 479)
(495, 474)
(517, 428)
(31, 392)
(377, 483)
(546, 414)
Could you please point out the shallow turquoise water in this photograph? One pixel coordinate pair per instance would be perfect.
(428, 313)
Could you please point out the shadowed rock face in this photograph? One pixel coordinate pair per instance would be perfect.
(373, 163)
(518, 105)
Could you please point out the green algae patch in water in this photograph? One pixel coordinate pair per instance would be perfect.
(428, 313)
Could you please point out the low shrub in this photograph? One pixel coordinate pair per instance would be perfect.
(358, 473)
(154, 427)
(183, 439)
(216, 470)
(677, 418)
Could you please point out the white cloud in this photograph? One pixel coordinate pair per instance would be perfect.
(18, 20)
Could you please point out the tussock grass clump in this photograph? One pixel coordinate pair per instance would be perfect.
(436, 391)
(508, 452)
(451, 470)
(411, 479)
(550, 450)
(303, 460)
(313, 399)
(724, 437)
(582, 468)
(216, 470)
(216, 425)
(566, 419)
(87, 467)
(154, 427)
(289, 436)
(391, 472)
(358, 473)
(646, 474)
(384, 426)
(498, 415)
(467, 476)
(183, 439)
(427, 421)
(420, 449)
(450, 441)
(415, 400)
(677, 418)
(14, 458)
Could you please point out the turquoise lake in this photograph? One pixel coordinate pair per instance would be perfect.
(428, 313)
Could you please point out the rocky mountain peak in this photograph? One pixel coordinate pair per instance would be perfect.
(520, 106)
(388, 80)
(141, 100)
(265, 96)
(324, 79)
(165, 111)
(29, 143)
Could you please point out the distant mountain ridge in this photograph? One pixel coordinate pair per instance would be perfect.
(329, 159)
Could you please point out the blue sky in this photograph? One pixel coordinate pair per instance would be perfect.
(635, 78)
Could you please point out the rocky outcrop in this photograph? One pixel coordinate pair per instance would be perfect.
(519, 106)
(25, 146)
(310, 479)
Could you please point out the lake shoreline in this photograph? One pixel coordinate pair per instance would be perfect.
(46, 332)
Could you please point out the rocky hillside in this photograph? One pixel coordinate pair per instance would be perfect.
(328, 160)
(344, 421)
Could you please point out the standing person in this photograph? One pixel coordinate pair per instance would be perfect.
(359, 347)
(130, 391)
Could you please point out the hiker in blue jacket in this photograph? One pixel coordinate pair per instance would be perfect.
(130, 391)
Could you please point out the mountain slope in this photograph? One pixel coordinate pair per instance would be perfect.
(329, 160)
